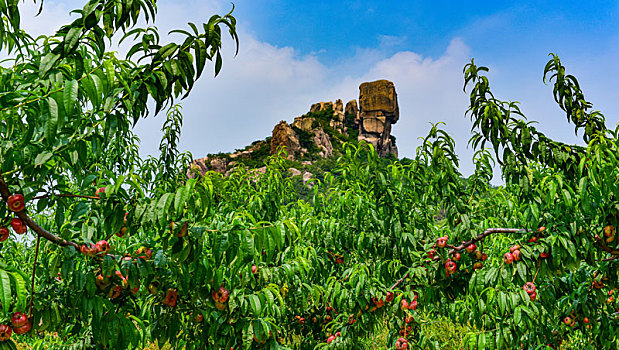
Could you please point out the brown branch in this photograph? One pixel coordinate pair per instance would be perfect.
(602, 244)
(40, 231)
(34, 269)
(487, 233)
(611, 259)
(539, 264)
(465, 244)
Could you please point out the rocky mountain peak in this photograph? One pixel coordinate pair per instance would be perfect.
(320, 133)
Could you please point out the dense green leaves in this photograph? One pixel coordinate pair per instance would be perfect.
(250, 259)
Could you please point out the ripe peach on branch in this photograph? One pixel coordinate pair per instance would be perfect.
(16, 203)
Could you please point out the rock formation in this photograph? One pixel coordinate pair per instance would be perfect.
(352, 109)
(284, 136)
(319, 134)
(337, 122)
(321, 106)
(378, 110)
(323, 141)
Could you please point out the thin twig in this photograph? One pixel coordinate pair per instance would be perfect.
(539, 263)
(34, 269)
(610, 259)
(602, 244)
(465, 244)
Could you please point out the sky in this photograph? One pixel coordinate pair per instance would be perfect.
(294, 53)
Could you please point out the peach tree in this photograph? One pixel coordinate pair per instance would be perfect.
(120, 250)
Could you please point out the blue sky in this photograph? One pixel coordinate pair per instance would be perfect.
(295, 53)
(498, 28)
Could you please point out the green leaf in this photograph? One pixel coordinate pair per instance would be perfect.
(162, 208)
(5, 291)
(69, 95)
(247, 244)
(518, 315)
(481, 341)
(47, 63)
(200, 53)
(522, 270)
(70, 40)
(218, 63)
(20, 289)
(179, 199)
(255, 304)
(41, 158)
(52, 122)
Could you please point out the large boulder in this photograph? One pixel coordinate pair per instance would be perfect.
(219, 165)
(203, 165)
(337, 122)
(285, 137)
(351, 107)
(321, 106)
(323, 141)
(303, 123)
(197, 168)
(378, 110)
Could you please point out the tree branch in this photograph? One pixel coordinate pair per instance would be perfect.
(602, 244)
(40, 231)
(465, 244)
(34, 269)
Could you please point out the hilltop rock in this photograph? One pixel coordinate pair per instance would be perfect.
(378, 110)
(337, 122)
(321, 132)
(218, 165)
(322, 140)
(351, 107)
(303, 123)
(321, 106)
(199, 165)
(285, 136)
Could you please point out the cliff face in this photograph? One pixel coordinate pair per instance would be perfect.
(321, 132)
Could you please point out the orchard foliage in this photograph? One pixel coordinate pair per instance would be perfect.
(122, 251)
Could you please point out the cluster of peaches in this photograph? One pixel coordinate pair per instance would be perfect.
(20, 325)
(15, 204)
(450, 265)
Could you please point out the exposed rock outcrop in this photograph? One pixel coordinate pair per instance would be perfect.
(306, 176)
(321, 106)
(352, 109)
(378, 110)
(320, 134)
(284, 136)
(323, 141)
(199, 165)
(303, 123)
(337, 122)
(294, 172)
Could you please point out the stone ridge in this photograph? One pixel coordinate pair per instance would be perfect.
(320, 133)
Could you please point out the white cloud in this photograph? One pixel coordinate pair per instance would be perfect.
(429, 90)
(265, 84)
